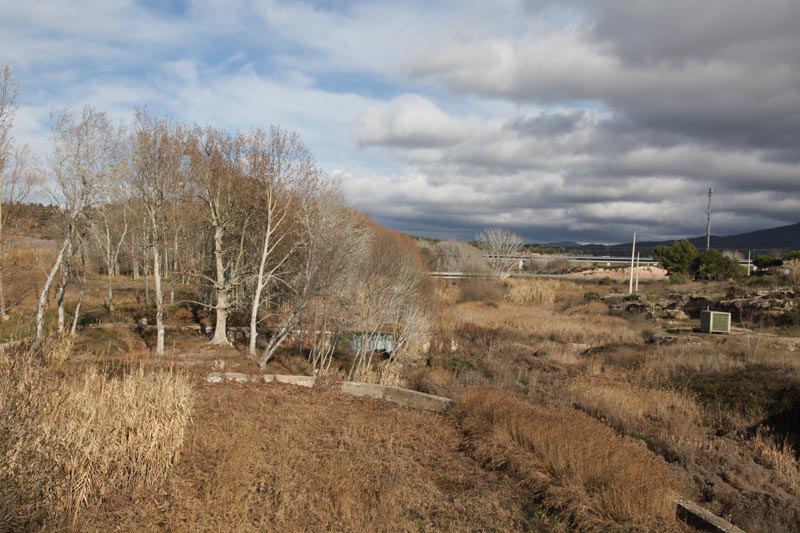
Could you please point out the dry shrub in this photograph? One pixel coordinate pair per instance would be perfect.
(777, 453)
(791, 270)
(627, 407)
(481, 290)
(580, 467)
(446, 293)
(435, 380)
(68, 442)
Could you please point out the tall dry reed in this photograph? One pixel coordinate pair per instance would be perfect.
(66, 442)
(537, 291)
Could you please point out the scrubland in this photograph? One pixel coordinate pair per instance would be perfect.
(716, 416)
(569, 415)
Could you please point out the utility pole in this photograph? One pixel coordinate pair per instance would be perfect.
(749, 261)
(636, 284)
(633, 256)
(708, 223)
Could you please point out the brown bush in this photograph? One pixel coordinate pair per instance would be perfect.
(580, 467)
(481, 290)
(66, 443)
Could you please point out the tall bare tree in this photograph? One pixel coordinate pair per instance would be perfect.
(284, 171)
(85, 152)
(216, 178)
(156, 165)
(110, 222)
(499, 245)
(315, 253)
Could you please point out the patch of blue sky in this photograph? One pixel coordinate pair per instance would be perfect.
(174, 8)
(358, 82)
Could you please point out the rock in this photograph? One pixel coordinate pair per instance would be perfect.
(677, 314)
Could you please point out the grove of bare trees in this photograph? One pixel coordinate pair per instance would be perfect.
(244, 228)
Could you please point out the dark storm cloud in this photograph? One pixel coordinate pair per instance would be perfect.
(721, 72)
(548, 124)
(625, 113)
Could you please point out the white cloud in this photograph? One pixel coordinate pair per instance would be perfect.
(411, 121)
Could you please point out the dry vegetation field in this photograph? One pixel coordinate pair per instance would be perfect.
(570, 415)
(718, 415)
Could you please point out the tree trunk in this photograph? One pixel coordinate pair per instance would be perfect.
(135, 266)
(257, 296)
(221, 289)
(43, 296)
(159, 299)
(110, 292)
(62, 287)
(277, 340)
(77, 314)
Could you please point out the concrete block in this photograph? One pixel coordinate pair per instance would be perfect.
(406, 397)
(302, 381)
(704, 520)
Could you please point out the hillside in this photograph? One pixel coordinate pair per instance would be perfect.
(783, 238)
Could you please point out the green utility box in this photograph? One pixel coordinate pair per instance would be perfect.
(715, 322)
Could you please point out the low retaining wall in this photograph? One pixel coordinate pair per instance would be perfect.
(405, 397)
(697, 517)
(409, 398)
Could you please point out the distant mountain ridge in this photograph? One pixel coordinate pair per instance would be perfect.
(783, 238)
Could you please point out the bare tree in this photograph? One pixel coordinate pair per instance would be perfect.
(392, 297)
(85, 152)
(8, 107)
(315, 254)
(156, 164)
(216, 178)
(456, 256)
(109, 228)
(285, 174)
(499, 246)
(331, 315)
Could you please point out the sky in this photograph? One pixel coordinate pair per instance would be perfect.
(572, 120)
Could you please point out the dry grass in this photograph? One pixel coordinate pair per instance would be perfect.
(665, 362)
(538, 291)
(542, 323)
(66, 443)
(777, 454)
(627, 407)
(580, 467)
(281, 458)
